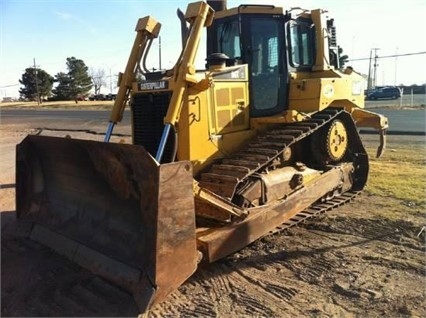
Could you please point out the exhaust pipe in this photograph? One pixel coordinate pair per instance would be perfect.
(217, 5)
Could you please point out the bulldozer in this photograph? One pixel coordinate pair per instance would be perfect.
(262, 138)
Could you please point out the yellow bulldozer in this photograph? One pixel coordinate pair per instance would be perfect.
(262, 138)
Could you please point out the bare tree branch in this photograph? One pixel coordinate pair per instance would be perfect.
(98, 79)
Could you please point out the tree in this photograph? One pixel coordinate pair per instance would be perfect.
(33, 79)
(62, 90)
(75, 83)
(98, 78)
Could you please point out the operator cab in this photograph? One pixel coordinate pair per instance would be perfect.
(271, 43)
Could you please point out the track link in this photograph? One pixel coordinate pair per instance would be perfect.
(316, 209)
(225, 177)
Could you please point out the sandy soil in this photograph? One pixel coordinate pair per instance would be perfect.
(353, 261)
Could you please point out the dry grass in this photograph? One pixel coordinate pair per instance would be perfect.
(400, 173)
(61, 104)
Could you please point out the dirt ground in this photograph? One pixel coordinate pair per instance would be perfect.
(354, 261)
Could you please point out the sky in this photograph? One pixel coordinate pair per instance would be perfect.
(101, 33)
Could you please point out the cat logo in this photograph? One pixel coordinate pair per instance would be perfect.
(154, 85)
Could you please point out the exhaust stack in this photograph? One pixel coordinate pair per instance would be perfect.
(219, 5)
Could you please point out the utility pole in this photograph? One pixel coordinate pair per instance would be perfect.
(36, 81)
(375, 66)
(396, 64)
(369, 73)
(159, 52)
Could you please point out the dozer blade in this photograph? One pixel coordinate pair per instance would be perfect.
(112, 209)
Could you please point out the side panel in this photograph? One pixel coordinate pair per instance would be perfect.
(311, 92)
(214, 121)
(231, 111)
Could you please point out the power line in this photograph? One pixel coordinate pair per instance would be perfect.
(388, 56)
(11, 85)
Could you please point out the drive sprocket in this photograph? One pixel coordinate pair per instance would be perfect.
(330, 145)
(336, 141)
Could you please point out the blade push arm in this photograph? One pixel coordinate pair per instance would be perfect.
(147, 30)
(198, 14)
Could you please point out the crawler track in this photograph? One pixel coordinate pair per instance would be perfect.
(317, 209)
(227, 177)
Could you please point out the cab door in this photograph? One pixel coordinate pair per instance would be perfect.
(264, 42)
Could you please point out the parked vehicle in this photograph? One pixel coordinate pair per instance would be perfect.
(102, 97)
(110, 96)
(97, 97)
(388, 92)
(80, 98)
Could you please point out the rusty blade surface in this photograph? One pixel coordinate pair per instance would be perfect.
(112, 209)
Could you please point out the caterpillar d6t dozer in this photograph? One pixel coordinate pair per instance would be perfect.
(265, 136)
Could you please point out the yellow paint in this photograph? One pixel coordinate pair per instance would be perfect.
(210, 110)
(312, 92)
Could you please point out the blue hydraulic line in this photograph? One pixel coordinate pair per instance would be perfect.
(163, 141)
(109, 131)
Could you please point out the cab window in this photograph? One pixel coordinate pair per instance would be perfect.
(264, 52)
(301, 39)
(228, 39)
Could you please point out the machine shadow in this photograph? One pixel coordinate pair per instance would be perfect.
(39, 282)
